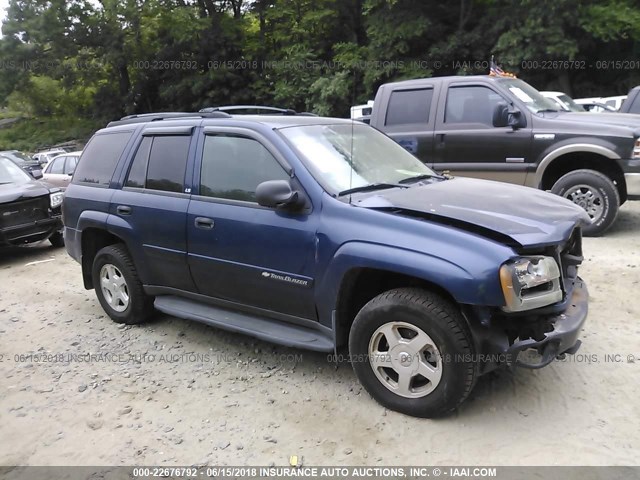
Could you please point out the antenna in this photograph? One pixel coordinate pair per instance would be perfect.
(353, 102)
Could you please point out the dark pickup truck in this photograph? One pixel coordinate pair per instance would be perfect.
(501, 128)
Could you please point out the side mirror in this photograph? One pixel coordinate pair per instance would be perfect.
(517, 119)
(503, 117)
(277, 194)
(37, 174)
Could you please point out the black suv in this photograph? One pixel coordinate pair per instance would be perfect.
(29, 210)
(321, 232)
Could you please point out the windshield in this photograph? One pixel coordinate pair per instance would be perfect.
(11, 173)
(570, 104)
(528, 95)
(19, 157)
(345, 156)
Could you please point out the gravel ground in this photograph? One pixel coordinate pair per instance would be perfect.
(187, 394)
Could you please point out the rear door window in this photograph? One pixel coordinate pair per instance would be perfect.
(409, 107)
(160, 163)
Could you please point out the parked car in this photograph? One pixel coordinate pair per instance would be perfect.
(632, 102)
(43, 158)
(25, 162)
(501, 128)
(29, 210)
(563, 102)
(362, 113)
(593, 106)
(60, 169)
(320, 232)
(614, 102)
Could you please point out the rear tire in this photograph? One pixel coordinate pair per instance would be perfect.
(593, 191)
(118, 287)
(57, 240)
(413, 352)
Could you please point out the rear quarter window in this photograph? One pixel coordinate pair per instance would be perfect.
(100, 157)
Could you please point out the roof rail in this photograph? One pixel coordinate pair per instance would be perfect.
(266, 109)
(154, 117)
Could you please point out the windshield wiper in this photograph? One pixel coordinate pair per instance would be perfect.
(547, 110)
(371, 186)
(417, 178)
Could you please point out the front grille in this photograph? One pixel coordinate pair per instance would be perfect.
(23, 211)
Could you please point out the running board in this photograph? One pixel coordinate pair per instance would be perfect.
(264, 328)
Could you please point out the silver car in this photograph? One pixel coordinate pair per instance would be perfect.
(59, 170)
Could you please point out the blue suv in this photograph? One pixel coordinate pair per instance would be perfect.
(321, 233)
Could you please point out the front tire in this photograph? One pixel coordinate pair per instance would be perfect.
(412, 351)
(118, 287)
(57, 240)
(593, 191)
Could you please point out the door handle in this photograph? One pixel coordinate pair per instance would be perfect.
(204, 223)
(440, 139)
(123, 210)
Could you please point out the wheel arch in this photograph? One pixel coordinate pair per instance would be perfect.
(576, 157)
(92, 241)
(359, 285)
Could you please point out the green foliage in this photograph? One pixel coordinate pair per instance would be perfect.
(82, 59)
(29, 134)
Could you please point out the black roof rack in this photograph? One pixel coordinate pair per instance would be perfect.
(266, 109)
(154, 117)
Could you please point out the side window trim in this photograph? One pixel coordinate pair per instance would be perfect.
(171, 131)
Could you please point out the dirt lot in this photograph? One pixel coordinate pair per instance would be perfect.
(196, 395)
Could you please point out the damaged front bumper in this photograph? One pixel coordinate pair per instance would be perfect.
(531, 341)
(563, 339)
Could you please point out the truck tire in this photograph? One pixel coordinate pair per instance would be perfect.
(118, 287)
(593, 191)
(413, 352)
(57, 240)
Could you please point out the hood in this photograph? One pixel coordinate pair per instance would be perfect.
(11, 192)
(629, 120)
(526, 216)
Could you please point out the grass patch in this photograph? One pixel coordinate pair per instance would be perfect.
(31, 134)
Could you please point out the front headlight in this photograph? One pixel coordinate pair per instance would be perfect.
(636, 149)
(56, 199)
(530, 282)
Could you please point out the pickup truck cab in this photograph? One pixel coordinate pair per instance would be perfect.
(320, 233)
(501, 128)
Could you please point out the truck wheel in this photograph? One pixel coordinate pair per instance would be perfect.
(118, 287)
(57, 240)
(594, 192)
(413, 352)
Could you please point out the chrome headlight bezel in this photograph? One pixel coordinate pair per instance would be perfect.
(55, 199)
(530, 282)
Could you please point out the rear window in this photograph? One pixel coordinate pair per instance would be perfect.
(409, 106)
(100, 158)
